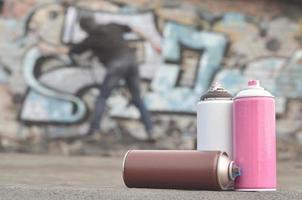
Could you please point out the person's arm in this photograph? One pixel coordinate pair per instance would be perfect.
(50, 49)
(155, 45)
(74, 49)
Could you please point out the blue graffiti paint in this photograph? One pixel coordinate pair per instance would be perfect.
(232, 79)
(166, 96)
(212, 44)
(289, 81)
(232, 17)
(41, 108)
(3, 75)
(264, 69)
(29, 65)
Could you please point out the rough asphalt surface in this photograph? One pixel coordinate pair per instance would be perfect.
(57, 177)
(17, 193)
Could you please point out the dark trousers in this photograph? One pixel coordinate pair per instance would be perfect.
(125, 68)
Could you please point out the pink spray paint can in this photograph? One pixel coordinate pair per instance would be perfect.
(254, 139)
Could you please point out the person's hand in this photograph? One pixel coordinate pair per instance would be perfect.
(157, 48)
(156, 45)
(45, 48)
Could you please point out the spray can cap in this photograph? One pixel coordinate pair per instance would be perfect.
(254, 89)
(216, 91)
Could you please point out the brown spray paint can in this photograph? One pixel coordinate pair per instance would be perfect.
(179, 169)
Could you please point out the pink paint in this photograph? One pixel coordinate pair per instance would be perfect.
(254, 146)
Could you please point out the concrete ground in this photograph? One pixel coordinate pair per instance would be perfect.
(25, 176)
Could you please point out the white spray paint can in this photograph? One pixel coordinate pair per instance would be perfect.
(214, 121)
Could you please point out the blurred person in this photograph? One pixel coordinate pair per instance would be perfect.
(107, 43)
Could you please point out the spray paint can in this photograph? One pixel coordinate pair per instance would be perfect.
(255, 138)
(214, 120)
(179, 169)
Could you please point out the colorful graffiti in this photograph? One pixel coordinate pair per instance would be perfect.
(58, 92)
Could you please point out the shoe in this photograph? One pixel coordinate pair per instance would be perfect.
(150, 140)
(91, 131)
(153, 136)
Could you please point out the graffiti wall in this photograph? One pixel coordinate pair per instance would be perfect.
(49, 93)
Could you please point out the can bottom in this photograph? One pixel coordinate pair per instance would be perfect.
(255, 189)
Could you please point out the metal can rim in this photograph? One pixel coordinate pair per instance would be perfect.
(225, 173)
(124, 165)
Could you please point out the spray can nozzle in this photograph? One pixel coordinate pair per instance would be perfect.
(254, 83)
(216, 91)
(234, 171)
